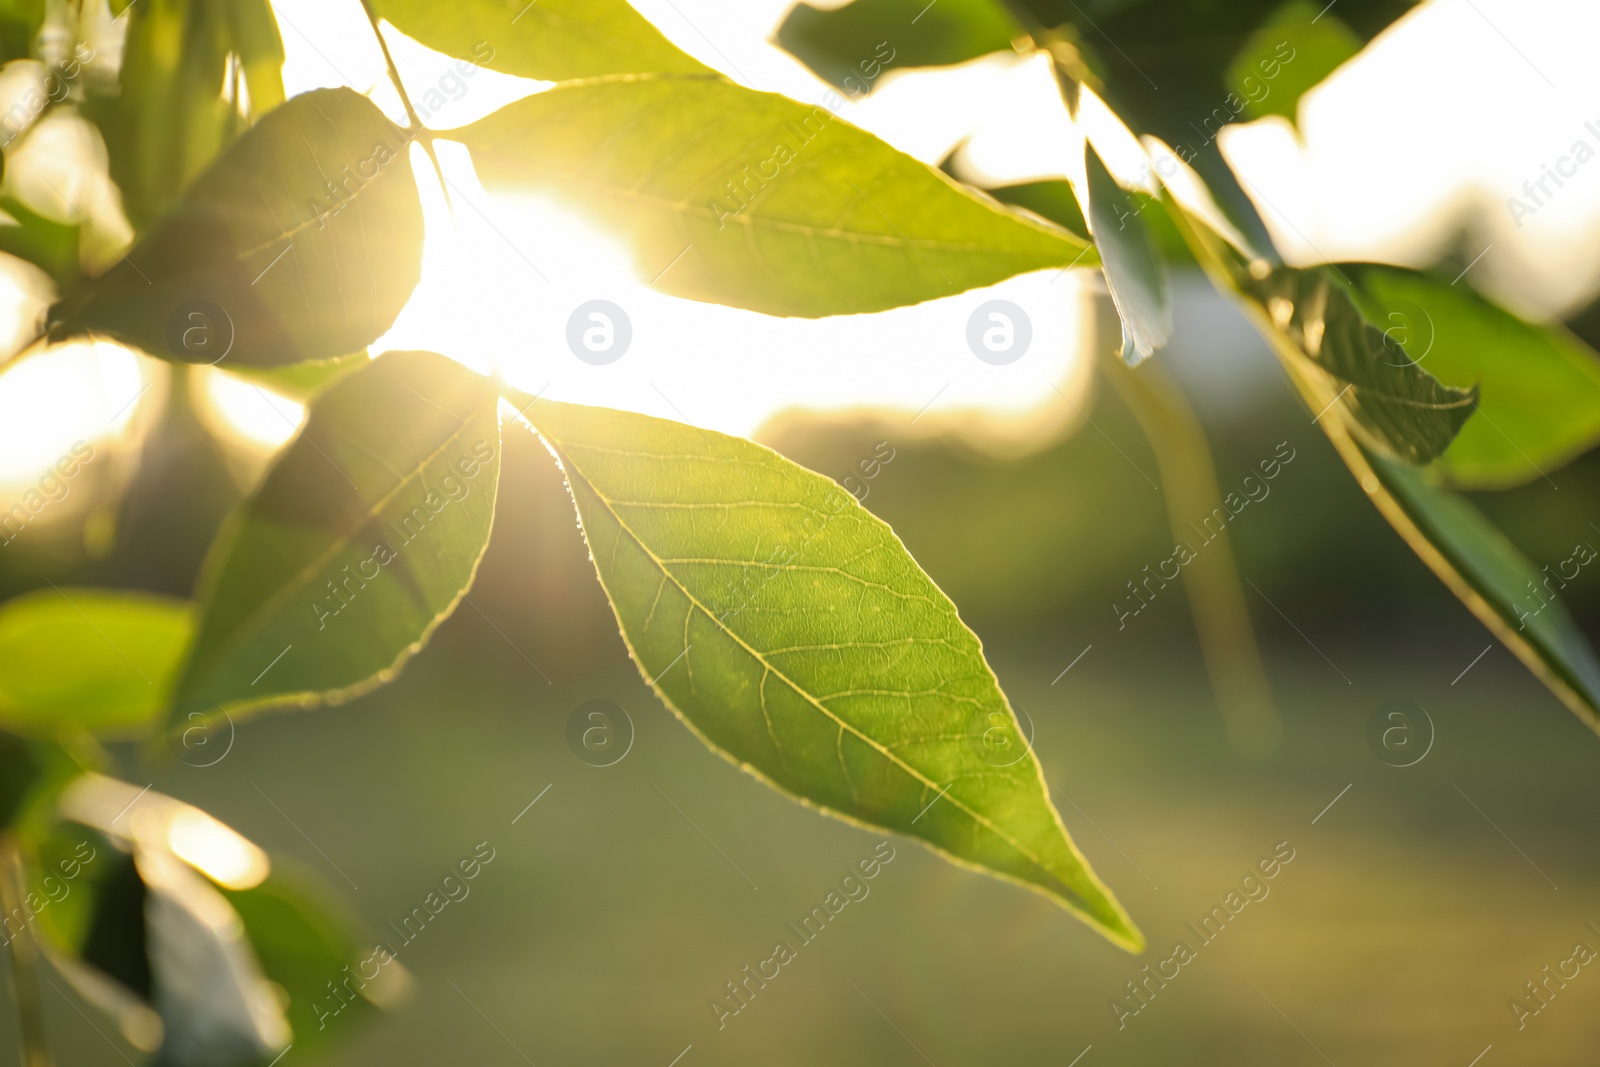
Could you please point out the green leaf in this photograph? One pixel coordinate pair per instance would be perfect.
(1299, 45)
(253, 27)
(366, 532)
(1053, 199)
(302, 381)
(20, 21)
(302, 242)
(1539, 386)
(95, 660)
(845, 45)
(1163, 65)
(304, 939)
(553, 40)
(1134, 271)
(173, 110)
(1473, 559)
(1392, 402)
(49, 245)
(19, 770)
(67, 853)
(1056, 200)
(795, 635)
(1506, 591)
(750, 199)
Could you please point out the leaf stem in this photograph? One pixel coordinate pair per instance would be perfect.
(24, 959)
(413, 120)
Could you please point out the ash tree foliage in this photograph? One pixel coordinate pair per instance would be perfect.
(775, 616)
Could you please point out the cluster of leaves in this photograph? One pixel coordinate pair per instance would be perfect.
(783, 623)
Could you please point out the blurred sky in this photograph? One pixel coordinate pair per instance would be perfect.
(1414, 145)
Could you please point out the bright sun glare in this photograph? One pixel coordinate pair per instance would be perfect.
(502, 278)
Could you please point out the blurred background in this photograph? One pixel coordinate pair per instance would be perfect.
(1420, 898)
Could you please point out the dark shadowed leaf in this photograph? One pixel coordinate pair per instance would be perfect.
(1538, 386)
(302, 381)
(851, 45)
(1053, 200)
(1298, 46)
(793, 632)
(1390, 400)
(1168, 67)
(96, 660)
(19, 23)
(302, 242)
(1134, 271)
(750, 199)
(304, 938)
(365, 533)
(553, 40)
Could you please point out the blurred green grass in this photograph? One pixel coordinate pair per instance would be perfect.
(608, 919)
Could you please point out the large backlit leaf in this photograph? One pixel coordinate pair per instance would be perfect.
(792, 631)
(750, 199)
(365, 533)
(1134, 271)
(1539, 386)
(95, 660)
(1395, 404)
(554, 40)
(302, 242)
